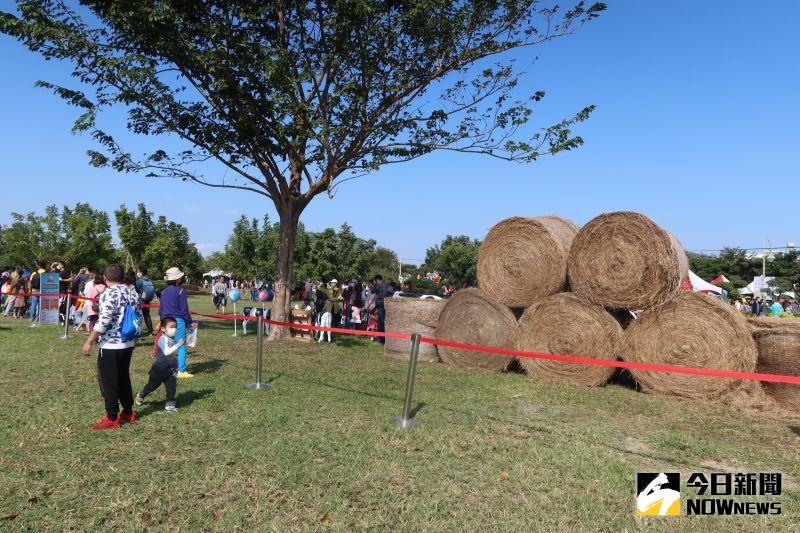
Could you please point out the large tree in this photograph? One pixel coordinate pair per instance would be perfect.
(292, 98)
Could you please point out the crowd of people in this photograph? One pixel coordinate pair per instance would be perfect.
(97, 303)
(756, 307)
(356, 304)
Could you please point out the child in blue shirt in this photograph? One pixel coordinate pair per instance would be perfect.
(165, 366)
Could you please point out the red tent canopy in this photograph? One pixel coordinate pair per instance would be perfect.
(720, 280)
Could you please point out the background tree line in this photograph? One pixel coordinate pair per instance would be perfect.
(252, 249)
(740, 269)
(81, 236)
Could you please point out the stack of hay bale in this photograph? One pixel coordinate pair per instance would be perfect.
(569, 287)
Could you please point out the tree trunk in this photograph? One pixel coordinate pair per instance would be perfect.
(284, 283)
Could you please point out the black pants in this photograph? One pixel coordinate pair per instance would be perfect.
(114, 377)
(162, 373)
(381, 324)
(148, 322)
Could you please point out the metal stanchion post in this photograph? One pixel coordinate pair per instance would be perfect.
(259, 345)
(405, 421)
(66, 318)
(235, 334)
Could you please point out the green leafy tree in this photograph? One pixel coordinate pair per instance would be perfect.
(88, 240)
(294, 98)
(171, 247)
(136, 230)
(214, 260)
(386, 263)
(455, 259)
(79, 236)
(157, 244)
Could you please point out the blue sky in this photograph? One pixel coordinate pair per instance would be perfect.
(696, 127)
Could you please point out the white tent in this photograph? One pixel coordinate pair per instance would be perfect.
(215, 273)
(756, 286)
(695, 283)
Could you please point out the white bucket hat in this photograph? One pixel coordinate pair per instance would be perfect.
(173, 274)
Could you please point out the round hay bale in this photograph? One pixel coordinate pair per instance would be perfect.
(412, 315)
(624, 260)
(773, 322)
(564, 324)
(691, 330)
(472, 318)
(524, 259)
(779, 353)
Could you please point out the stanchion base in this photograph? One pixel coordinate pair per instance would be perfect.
(64, 337)
(405, 423)
(34, 325)
(235, 335)
(258, 386)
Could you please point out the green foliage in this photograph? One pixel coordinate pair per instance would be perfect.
(293, 99)
(252, 248)
(158, 244)
(136, 231)
(455, 259)
(79, 236)
(425, 286)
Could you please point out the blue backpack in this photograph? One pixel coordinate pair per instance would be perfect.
(149, 291)
(131, 328)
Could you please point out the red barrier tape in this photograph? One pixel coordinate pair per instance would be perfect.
(777, 378)
(712, 372)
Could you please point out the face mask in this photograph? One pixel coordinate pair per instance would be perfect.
(170, 332)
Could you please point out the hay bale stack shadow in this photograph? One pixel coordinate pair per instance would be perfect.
(470, 317)
(624, 260)
(412, 315)
(564, 324)
(525, 259)
(691, 330)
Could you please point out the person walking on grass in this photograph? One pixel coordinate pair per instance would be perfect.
(114, 357)
(175, 304)
(219, 293)
(164, 366)
(147, 291)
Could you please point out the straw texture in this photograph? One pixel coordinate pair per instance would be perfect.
(564, 324)
(524, 259)
(470, 317)
(624, 260)
(691, 330)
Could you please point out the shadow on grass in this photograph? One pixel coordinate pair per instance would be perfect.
(349, 341)
(211, 366)
(795, 430)
(183, 399)
(418, 407)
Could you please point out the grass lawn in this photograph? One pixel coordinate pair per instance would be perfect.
(315, 451)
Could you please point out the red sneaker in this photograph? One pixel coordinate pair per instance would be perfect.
(127, 418)
(106, 423)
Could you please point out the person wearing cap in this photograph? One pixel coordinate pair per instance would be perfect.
(175, 304)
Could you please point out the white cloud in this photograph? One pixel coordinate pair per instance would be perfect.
(228, 212)
(193, 209)
(208, 246)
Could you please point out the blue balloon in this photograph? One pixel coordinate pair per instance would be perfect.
(234, 295)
